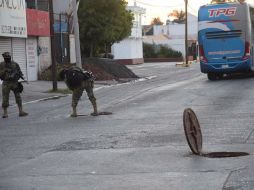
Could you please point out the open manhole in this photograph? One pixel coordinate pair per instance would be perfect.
(194, 137)
(105, 113)
(99, 113)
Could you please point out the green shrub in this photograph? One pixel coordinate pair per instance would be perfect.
(149, 50)
(159, 51)
(47, 73)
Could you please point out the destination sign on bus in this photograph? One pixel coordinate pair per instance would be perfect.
(222, 11)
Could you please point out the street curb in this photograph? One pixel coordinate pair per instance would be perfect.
(45, 99)
(95, 89)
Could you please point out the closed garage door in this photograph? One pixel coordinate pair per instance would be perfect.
(5, 45)
(19, 54)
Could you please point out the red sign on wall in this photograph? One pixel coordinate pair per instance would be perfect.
(38, 23)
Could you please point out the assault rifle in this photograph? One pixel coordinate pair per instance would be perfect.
(18, 75)
(25, 81)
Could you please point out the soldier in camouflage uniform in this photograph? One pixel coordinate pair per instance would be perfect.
(77, 90)
(10, 73)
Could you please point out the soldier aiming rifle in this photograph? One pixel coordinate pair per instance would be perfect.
(10, 73)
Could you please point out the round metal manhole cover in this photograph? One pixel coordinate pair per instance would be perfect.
(192, 131)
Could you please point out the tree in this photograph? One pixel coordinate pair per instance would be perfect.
(225, 1)
(102, 23)
(179, 16)
(156, 21)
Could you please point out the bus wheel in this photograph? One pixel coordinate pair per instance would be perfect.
(220, 76)
(212, 76)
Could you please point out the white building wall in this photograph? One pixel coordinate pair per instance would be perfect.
(176, 34)
(131, 47)
(160, 29)
(61, 6)
(32, 58)
(176, 31)
(128, 49)
(136, 31)
(72, 49)
(176, 44)
(45, 53)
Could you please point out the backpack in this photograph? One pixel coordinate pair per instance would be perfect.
(74, 77)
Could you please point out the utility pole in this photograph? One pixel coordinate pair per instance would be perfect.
(76, 33)
(186, 33)
(54, 71)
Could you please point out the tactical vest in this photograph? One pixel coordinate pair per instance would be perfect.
(74, 77)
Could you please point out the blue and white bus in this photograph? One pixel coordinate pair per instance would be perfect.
(225, 38)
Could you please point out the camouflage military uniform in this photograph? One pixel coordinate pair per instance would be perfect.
(77, 91)
(10, 73)
(9, 84)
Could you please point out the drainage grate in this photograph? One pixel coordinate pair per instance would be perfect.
(194, 137)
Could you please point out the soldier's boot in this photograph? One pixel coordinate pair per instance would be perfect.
(74, 112)
(5, 115)
(21, 112)
(95, 111)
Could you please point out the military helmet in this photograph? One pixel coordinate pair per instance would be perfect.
(6, 55)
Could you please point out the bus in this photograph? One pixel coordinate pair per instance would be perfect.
(225, 38)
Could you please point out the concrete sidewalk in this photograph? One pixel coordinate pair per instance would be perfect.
(39, 90)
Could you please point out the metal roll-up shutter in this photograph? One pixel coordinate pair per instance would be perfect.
(5, 45)
(19, 54)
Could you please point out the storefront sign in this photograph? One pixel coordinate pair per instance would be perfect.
(38, 23)
(13, 18)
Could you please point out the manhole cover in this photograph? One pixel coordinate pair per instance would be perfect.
(192, 131)
(99, 113)
(225, 154)
(105, 113)
(194, 137)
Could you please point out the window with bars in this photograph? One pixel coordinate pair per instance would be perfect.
(42, 5)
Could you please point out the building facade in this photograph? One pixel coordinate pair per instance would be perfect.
(130, 50)
(25, 33)
(173, 35)
(63, 30)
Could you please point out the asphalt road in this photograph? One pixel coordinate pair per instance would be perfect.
(142, 145)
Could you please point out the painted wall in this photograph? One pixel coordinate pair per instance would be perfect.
(177, 31)
(61, 6)
(38, 23)
(176, 34)
(45, 53)
(13, 19)
(72, 49)
(131, 47)
(32, 59)
(128, 49)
